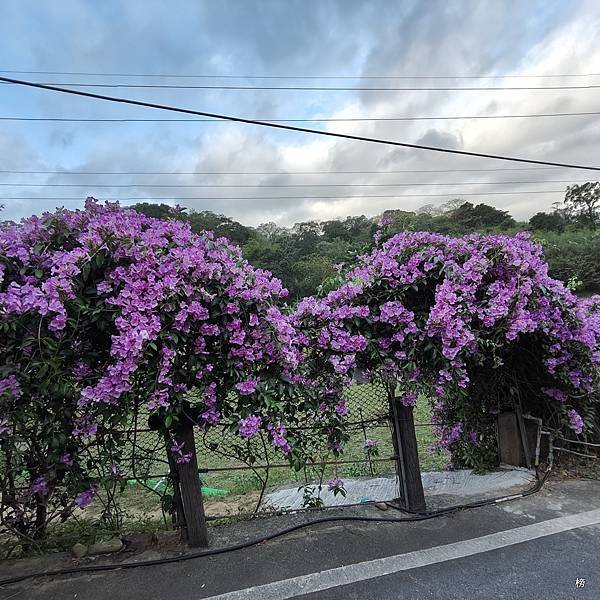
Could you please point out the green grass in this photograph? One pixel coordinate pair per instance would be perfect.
(142, 508)
(240, 482)
(364, 401)
(243, 485)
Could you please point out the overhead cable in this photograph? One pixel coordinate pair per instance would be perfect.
(311, 120)
(307, 197)
(281, 126)
(341, 77)
(275, 185)
(276, 172)
(311, 88)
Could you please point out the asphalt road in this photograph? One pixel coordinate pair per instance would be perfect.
(548, 568)
(537, 547)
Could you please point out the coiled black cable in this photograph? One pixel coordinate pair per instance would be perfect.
(414, 517)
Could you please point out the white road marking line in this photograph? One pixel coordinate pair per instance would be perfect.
(371, 569)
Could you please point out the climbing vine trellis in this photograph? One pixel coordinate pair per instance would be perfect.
(223, 455)
(106, 314)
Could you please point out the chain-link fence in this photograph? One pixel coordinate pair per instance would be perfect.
(237, 475)
(240, 477)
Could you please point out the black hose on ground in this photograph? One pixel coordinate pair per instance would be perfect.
(414, 517)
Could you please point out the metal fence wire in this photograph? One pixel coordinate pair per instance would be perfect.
(237, 473)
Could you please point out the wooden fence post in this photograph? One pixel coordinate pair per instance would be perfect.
(412, 496)
(190, 487)
(178, 514)
(512, 439)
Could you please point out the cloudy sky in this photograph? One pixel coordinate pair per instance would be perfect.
(363, 44)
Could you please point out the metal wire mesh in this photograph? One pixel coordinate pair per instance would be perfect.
(236, 473)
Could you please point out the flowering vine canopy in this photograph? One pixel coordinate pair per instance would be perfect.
(475, 323)
(105, 313)
(105, 309)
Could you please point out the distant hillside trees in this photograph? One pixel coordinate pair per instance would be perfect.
(547, 221)
(583, 203)
(305, 255)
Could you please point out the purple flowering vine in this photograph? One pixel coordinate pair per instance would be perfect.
(336, 485)
(249, 426)
(246, 387)
(181, 457)
(39, 487)
(147, 312)
(441, 316)
(84, 499)
(575, 421)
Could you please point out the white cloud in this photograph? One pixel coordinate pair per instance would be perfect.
(512, 38)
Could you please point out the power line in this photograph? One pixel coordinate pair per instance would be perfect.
(306, 88)
(292, 127)
(275, 185)
(339, 77)
(279, 172)
(399, 196)
(312, 120)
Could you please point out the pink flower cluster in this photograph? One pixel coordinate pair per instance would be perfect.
(85, 498)
(189, 320)
(181, 457)
(249, 426)
(426, 311)
(139, 310)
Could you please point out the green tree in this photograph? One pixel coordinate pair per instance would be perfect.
(583, 203)
(158, 211)
(574, 253)
(308, 273)
(547, 221)
(307, 235)
(481, 216)
(222, 226)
